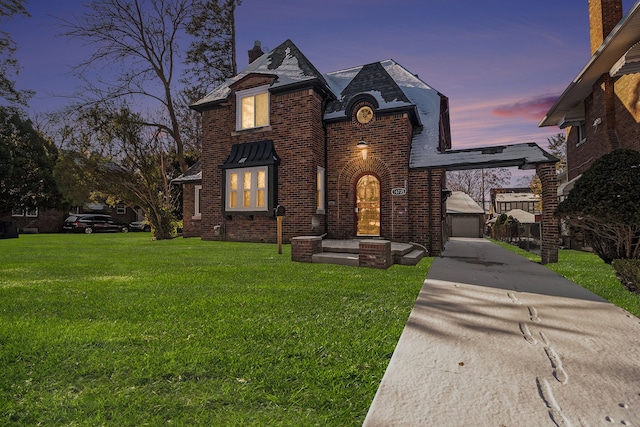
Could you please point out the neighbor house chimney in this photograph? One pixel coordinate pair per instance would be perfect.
(604, 15)
(256, 52)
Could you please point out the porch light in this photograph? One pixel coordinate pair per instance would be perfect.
(362, 146)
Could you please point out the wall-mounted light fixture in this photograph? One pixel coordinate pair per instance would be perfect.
(363, 147)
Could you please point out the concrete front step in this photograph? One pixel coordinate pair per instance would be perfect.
(340, 258)
(346, 252)
(412, 258)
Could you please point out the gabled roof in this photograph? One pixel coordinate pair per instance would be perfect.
(393, 88)
(372, 80)
(193, 174)
(460, 202)
(286, 63)
(569, 108)
(525, 156)
(386, 83)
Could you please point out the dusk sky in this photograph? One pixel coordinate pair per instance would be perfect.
(501, 63)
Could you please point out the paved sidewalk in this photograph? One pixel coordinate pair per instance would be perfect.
(496, 340)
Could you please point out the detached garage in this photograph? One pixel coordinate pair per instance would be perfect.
(465, 218)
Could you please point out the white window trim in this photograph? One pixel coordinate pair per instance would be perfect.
(251, 92)
(17, 212)
(197, 214)
(320, 190)
(582, 134)
(31, 212)
(121, 209)
(240, 190)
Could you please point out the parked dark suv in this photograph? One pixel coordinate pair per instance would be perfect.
(93, 223)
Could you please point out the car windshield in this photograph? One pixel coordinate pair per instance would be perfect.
(71, 218)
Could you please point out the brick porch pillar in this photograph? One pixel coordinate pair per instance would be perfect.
(549, 234)
(303, 248)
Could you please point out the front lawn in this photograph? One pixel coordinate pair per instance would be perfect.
(114, 329)
(589, 271)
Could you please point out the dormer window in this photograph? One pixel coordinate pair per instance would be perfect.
(252, 108)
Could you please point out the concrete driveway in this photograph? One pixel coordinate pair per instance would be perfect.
(496, 340)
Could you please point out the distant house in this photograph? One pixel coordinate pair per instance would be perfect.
(600, 109)
(465, 218)
(505, 199)
(35, 220)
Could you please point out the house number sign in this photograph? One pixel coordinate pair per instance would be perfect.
(398, 191)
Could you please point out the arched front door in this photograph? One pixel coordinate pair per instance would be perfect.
(368, 206)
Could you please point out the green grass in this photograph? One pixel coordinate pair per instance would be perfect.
(115, 329)
(589, 271)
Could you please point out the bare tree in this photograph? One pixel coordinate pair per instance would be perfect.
(135, 44)
(8, 64)
(137, 58)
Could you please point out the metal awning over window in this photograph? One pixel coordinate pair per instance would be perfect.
(248, 154)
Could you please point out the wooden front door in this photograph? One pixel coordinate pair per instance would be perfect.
(368, 206)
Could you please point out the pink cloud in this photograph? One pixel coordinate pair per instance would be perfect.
(533, 109)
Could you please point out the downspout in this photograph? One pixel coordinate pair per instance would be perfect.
(326, 169)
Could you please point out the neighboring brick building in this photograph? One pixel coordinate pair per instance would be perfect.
(601, 107)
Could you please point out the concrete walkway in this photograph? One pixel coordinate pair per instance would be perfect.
(496, 340)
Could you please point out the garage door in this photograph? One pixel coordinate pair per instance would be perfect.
(465, 226)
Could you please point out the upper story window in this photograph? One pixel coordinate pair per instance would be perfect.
(252, 108)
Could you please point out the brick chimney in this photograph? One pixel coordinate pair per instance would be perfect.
(604, 15)
(256, 52)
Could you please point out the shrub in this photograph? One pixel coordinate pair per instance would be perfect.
(605, 206)
(628, 272)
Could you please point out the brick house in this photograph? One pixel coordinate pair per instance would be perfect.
(600, 109)
(340, 152)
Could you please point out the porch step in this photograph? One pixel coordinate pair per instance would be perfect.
(340, 258)
(412, 258)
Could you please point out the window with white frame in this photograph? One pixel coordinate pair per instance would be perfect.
(17, 212)
(320, 192)
(121, 209)
(582, 134)
(252, 108)
(246, 189)
(31, 212)
(197, 201)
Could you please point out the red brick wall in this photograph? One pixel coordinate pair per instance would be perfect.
(627, 89)
(616, 102)
(425, 192)
(296, 129)
(604, 15)
(388, 138)
(191, 227)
